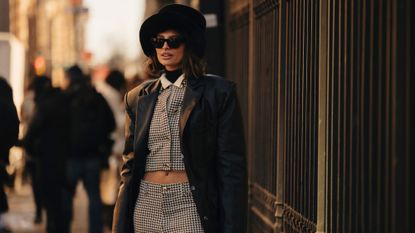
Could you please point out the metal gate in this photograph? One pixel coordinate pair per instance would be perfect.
(328, 102)
(366, 94)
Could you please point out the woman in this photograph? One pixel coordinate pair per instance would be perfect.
(185, 165)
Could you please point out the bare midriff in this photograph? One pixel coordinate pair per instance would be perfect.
(166, 177)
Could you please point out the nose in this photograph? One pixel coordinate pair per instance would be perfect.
(165, 45)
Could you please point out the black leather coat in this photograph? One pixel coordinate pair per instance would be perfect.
(213, 146)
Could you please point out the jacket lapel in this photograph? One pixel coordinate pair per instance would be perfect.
(145, 109)
(191, 97)
(146, 104)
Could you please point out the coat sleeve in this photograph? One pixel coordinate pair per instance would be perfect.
(119, 219)
(32, 138)
(231, 166)
(128, 154)
(9, 129)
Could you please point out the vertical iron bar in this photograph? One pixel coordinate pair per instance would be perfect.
(322, 120)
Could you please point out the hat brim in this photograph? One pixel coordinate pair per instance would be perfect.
(161, 22)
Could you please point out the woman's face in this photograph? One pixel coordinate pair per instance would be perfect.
(170, 58)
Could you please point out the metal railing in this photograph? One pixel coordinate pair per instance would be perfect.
(327, 93)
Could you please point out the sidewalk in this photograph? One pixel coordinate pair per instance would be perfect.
(22, 212)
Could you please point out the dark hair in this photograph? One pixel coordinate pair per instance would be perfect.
(75, 74)
(116, 80)
(192, 65)
(40, 84)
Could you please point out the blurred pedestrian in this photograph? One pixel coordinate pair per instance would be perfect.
(185, 164)
(46, 140)
(9, 130)
(91, 125)
(113, 89)
(32, 163)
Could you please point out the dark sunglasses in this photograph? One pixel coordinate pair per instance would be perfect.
(173, 43)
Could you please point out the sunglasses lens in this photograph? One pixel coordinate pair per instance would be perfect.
(173, 43)
(157, 43)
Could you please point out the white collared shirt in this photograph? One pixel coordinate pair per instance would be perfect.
(165, 83)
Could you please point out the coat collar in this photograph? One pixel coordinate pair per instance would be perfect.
(195, 83)
(194, 90)
(153, 87)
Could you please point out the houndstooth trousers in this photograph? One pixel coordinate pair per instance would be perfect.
(166, 208)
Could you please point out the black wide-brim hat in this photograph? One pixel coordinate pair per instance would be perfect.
(185, 20)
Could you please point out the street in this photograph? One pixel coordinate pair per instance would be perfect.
(22, 208)
(22, 211)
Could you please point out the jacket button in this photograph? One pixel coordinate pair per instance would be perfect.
(193, 188)
(205, 218)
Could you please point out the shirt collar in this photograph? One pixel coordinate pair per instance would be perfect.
(165, 83)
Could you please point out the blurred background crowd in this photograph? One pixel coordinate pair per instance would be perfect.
(65, 66)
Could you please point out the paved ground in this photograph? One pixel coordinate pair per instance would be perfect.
(22, 209)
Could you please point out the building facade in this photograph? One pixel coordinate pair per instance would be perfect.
(52, 30)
